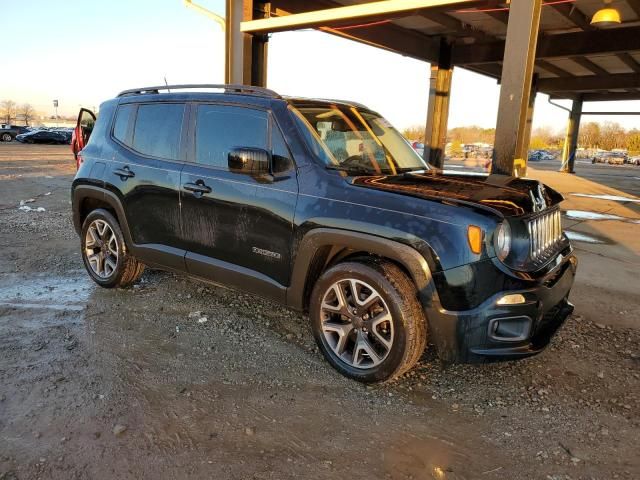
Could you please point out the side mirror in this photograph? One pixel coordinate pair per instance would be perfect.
(280, 164)
(249, 161)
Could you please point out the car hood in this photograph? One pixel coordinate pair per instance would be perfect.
(501, 194)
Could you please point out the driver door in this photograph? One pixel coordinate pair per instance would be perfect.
(82, 132)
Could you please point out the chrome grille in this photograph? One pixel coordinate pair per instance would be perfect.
(545, 233)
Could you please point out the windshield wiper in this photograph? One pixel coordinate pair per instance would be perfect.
(351, 170)
(411, 169)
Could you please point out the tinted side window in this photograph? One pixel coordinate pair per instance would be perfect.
(157, 130)
(123, 119)
(219, 128)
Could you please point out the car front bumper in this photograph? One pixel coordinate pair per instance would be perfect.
(493, 332)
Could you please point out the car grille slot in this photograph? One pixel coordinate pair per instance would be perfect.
(545, 233)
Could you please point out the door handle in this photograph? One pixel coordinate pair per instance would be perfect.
(197, 188)
(124, 173)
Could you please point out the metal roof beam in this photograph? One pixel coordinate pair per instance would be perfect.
(344, 15)
(589, 83)
(571, 13)
(550, 67)
(457, 25)
(635, 6)
(611, 41)
(629, 61)
(490, 69)
(501, 15)
(599, 96)
(387, 36)
(589, 65)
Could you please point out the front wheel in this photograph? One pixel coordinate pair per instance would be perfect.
(367, 320)
(6, 137)
(105, 254)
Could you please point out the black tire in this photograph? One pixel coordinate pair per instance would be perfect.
(400, 295)
(128, 269)
(6, 137)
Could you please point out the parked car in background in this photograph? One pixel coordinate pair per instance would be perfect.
(418, 147)
(610, 158)
(66, 132)
(540, 155)
(9, 132)
(43, 136)
(634, 161)
(323, 206)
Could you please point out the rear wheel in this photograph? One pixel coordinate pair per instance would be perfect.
(367, 320)
(6, 137)
(105, 254)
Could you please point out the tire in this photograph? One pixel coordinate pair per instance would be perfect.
(6, 137)
(397, 343)
(101, 233)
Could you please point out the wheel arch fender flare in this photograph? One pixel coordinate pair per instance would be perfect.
(319, 241)
(83, 192)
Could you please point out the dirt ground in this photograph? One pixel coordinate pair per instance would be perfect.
(103, 384)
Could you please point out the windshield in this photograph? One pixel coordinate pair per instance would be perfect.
(356, 140)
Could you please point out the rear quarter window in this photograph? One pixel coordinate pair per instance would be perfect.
(158, 129)
(124, 117)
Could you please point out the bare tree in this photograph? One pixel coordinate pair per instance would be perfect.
(471, 134)
(589, 136)
(415, 133)
(633, 141)
(8, 110)
(27, 112)
(612, 135)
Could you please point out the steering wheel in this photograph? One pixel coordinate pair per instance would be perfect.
(356, 161)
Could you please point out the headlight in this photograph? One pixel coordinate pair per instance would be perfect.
(502, 240)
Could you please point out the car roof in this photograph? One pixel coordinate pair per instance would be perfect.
(198, 97)
(323, 102)
(228, 97)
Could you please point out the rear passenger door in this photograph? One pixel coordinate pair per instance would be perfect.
(237, 229)
(146, 171)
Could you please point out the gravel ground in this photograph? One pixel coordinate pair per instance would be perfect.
(179, 379)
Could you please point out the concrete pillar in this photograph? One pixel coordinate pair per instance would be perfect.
(571, 140)
(511, 142)
(245, 54)
(435, 137)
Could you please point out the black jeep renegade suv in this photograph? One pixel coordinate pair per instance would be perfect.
(323, 206)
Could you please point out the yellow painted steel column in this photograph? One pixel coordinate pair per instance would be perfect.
(245, 54)
(509, 155)
(435, 138)
(571, 140)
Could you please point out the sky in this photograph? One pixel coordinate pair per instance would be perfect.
(84, 52)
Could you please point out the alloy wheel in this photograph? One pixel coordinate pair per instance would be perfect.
(6, 137)
(356, 323)
(101, 248)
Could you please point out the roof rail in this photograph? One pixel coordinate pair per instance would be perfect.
(228, 88)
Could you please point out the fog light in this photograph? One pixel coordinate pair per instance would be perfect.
(510, 329)
(511, 299)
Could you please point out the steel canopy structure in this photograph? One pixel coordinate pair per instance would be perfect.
(529, 46)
